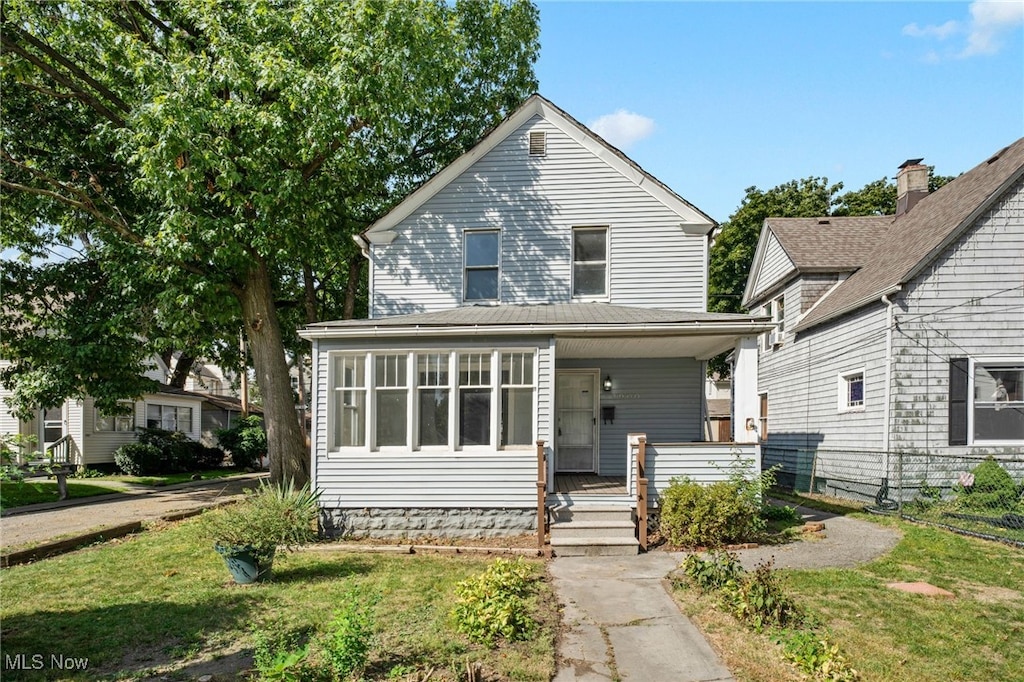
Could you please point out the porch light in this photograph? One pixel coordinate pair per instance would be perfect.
(607, 382)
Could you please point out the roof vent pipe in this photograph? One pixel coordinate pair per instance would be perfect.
(911, 185)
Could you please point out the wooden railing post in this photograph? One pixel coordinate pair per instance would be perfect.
(542, 488)
(641, 491)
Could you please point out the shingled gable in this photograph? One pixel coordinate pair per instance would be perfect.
(691, 218)
(830, 244)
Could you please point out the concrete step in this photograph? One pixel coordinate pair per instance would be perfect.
(614, 546)
(590, 513)
(593, 529)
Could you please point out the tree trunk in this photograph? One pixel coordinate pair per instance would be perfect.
(181, 369)
(289, 458)
(355, 271)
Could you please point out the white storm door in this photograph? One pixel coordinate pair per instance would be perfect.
(575, 421)
(52, 426)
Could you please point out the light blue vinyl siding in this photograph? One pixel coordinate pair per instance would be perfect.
(535, 202)
(661, 397)
(496, 478)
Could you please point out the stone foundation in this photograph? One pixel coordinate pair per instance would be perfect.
(412, 523)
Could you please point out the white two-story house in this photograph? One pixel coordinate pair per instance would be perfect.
(531, 305)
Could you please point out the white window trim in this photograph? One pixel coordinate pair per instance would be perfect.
(130, 417)
(607, 262)
(412, 388)
(332, 392)
(533, 387)
(843, 387)
(371, 393)
(466, 268)
(985, 361)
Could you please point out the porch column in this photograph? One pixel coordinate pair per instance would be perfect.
(745, 403)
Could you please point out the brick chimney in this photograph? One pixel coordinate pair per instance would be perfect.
(911, 185)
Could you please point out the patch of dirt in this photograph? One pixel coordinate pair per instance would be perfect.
(990, 594)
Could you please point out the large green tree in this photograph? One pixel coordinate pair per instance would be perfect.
(732, 255)
(204, 165)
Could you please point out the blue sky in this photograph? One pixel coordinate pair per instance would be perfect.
(715, 97)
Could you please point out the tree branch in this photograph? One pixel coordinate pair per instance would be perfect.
(53, 73)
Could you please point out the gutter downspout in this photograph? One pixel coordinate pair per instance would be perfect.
(889, 324)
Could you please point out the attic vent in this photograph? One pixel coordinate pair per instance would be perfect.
(996, 157)
(538, 143)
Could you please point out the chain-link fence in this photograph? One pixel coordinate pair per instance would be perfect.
(979, 495)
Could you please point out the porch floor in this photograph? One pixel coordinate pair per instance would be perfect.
(590, 484)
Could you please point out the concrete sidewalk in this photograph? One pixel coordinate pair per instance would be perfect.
(623, 624)
(43, 523)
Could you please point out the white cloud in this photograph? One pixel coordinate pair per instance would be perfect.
(623, 128)
(932, 31)
(989, 21)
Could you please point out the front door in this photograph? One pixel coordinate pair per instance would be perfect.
(53, 426)
(576, 421)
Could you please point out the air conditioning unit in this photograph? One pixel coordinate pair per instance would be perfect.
(774, 339)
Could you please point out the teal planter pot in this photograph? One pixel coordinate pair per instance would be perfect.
(246, 564)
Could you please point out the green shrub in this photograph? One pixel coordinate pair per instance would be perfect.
(246, 441)
(817, 656)
(725, 512)
(139, 459)
(282, 655)
(758, 599)
(714, 572)
(993, 488)
(493, 604)
(272, 515)
(781, 512)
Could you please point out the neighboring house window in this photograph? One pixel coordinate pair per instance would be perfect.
(118, 423)
(589, 262)
(517, 389)
(990, 394)
(474, 399)
(779, 316)
(775, 309)
(391, 393)
(851, 391)
(433, 398)
(481, 249)
(348, 389)
(169, 417)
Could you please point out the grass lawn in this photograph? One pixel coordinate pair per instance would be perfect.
(893, 636)
(17, 494)
(161, 603)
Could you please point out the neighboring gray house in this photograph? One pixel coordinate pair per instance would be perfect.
(896, 335)
(545, 288)
(77, 432)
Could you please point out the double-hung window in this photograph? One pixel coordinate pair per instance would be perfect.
(169, 417)
(998, 402)
(517, 390)
(474, 399)
(118, 423)
(348, 386)
(481, 249)
(589, 262)
(391, 391)
(433, 396)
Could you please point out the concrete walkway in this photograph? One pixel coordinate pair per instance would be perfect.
(40, 523)
(622, 623)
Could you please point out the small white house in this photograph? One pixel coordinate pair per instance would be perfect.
(532, 305)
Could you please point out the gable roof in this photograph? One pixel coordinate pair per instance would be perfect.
(833, 244)
(536, 105)
(917, 237)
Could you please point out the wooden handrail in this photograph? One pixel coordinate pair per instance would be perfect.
(59, 451)
(641, 492)
(542, 487)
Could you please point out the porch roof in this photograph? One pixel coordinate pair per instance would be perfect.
(581, 330)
